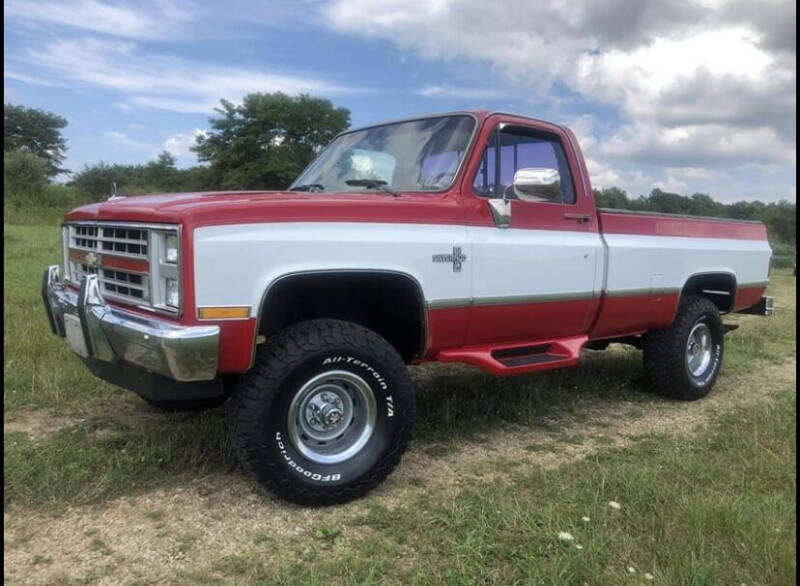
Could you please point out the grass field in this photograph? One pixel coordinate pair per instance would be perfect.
(99, 488)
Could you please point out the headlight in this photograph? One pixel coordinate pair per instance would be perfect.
(173, 296)
(65, 251)
(171, 248)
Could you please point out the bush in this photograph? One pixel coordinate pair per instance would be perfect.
(24, 174)
(48, 207)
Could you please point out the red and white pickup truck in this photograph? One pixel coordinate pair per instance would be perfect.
(465, 237)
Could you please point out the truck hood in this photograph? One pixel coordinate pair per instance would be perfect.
(229, 207)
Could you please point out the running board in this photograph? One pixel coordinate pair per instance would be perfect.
(519, 358)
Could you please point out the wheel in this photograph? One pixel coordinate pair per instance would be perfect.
(684, 360)
(325, 414)
(187, 405)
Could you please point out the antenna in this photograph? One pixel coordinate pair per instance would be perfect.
(114, 195)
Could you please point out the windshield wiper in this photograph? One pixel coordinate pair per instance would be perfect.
(372, 184)
(308, 187)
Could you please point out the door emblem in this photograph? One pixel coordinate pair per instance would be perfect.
(456, 258)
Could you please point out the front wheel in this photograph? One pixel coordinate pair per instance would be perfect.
(326, 412)
(684, 360)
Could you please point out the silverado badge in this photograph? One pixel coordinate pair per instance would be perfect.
(456, 258)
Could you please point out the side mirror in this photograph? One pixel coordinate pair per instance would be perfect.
(536, 184)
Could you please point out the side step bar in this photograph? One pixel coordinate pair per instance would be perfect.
(519, 358)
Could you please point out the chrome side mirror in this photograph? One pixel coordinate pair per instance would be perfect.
(536, 184)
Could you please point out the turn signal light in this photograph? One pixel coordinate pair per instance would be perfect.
(223, 312)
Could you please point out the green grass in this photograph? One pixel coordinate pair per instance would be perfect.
(712, 509)
(39, 370)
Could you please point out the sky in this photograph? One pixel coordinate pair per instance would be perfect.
(682, 95)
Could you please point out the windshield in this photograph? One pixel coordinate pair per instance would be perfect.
(418, 155)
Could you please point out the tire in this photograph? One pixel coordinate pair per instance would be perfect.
(670, 367)
(325, 414)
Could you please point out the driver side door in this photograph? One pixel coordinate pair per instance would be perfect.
(538, 278)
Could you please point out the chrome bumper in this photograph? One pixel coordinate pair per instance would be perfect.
(98, 331)
(763, 307)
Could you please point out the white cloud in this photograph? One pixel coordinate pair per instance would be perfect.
(694, 84)
(672, 185)
(125, 140)
(145, 20)
(163, 81)
(179, 145)
(31, 79)
(468, 93)
(696, 145)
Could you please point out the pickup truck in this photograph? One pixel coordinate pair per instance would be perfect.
(468, 237)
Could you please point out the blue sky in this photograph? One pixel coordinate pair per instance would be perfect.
(685, 95)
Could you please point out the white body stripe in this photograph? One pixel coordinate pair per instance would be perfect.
(234, 264)
(517, 262)
(637, 262)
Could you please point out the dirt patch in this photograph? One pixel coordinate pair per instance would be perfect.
(36, 423)
(165, 535)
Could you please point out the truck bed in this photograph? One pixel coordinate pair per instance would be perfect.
(650, 257)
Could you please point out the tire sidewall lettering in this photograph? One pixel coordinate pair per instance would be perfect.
(298, 468)
(380, 384)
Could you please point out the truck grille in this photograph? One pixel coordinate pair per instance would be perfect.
(132, 261)
(114, 283)
(131, 242)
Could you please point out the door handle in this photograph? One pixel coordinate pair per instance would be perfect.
(581, 218)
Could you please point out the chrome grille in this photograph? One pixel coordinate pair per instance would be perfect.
(114, 283)
(123, 284)
(99, 248)
(116, 240)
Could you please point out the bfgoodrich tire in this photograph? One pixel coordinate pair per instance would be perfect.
(684, 360)
(325, 414)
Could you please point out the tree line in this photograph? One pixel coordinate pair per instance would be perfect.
(264, 143)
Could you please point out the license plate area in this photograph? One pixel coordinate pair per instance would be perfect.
(75, 339)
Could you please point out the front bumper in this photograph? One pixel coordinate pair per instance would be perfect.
(113, 340)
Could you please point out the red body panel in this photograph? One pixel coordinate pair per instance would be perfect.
(500, 324)
(463, 333)
(659, 225)
(747, 297)
(624, 316)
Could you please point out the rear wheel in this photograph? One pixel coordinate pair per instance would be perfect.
(684, 360)
(326, 412)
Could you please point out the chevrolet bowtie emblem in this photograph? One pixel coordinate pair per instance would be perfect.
(92, 260)
(456, 258)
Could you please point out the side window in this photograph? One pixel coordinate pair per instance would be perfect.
(521, 148)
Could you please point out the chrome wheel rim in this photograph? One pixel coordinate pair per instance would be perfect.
(332, 417)
(699, 347)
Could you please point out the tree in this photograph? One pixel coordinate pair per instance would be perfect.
(24, 174)
(35, 131)
(266, 142)
(611, 197)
